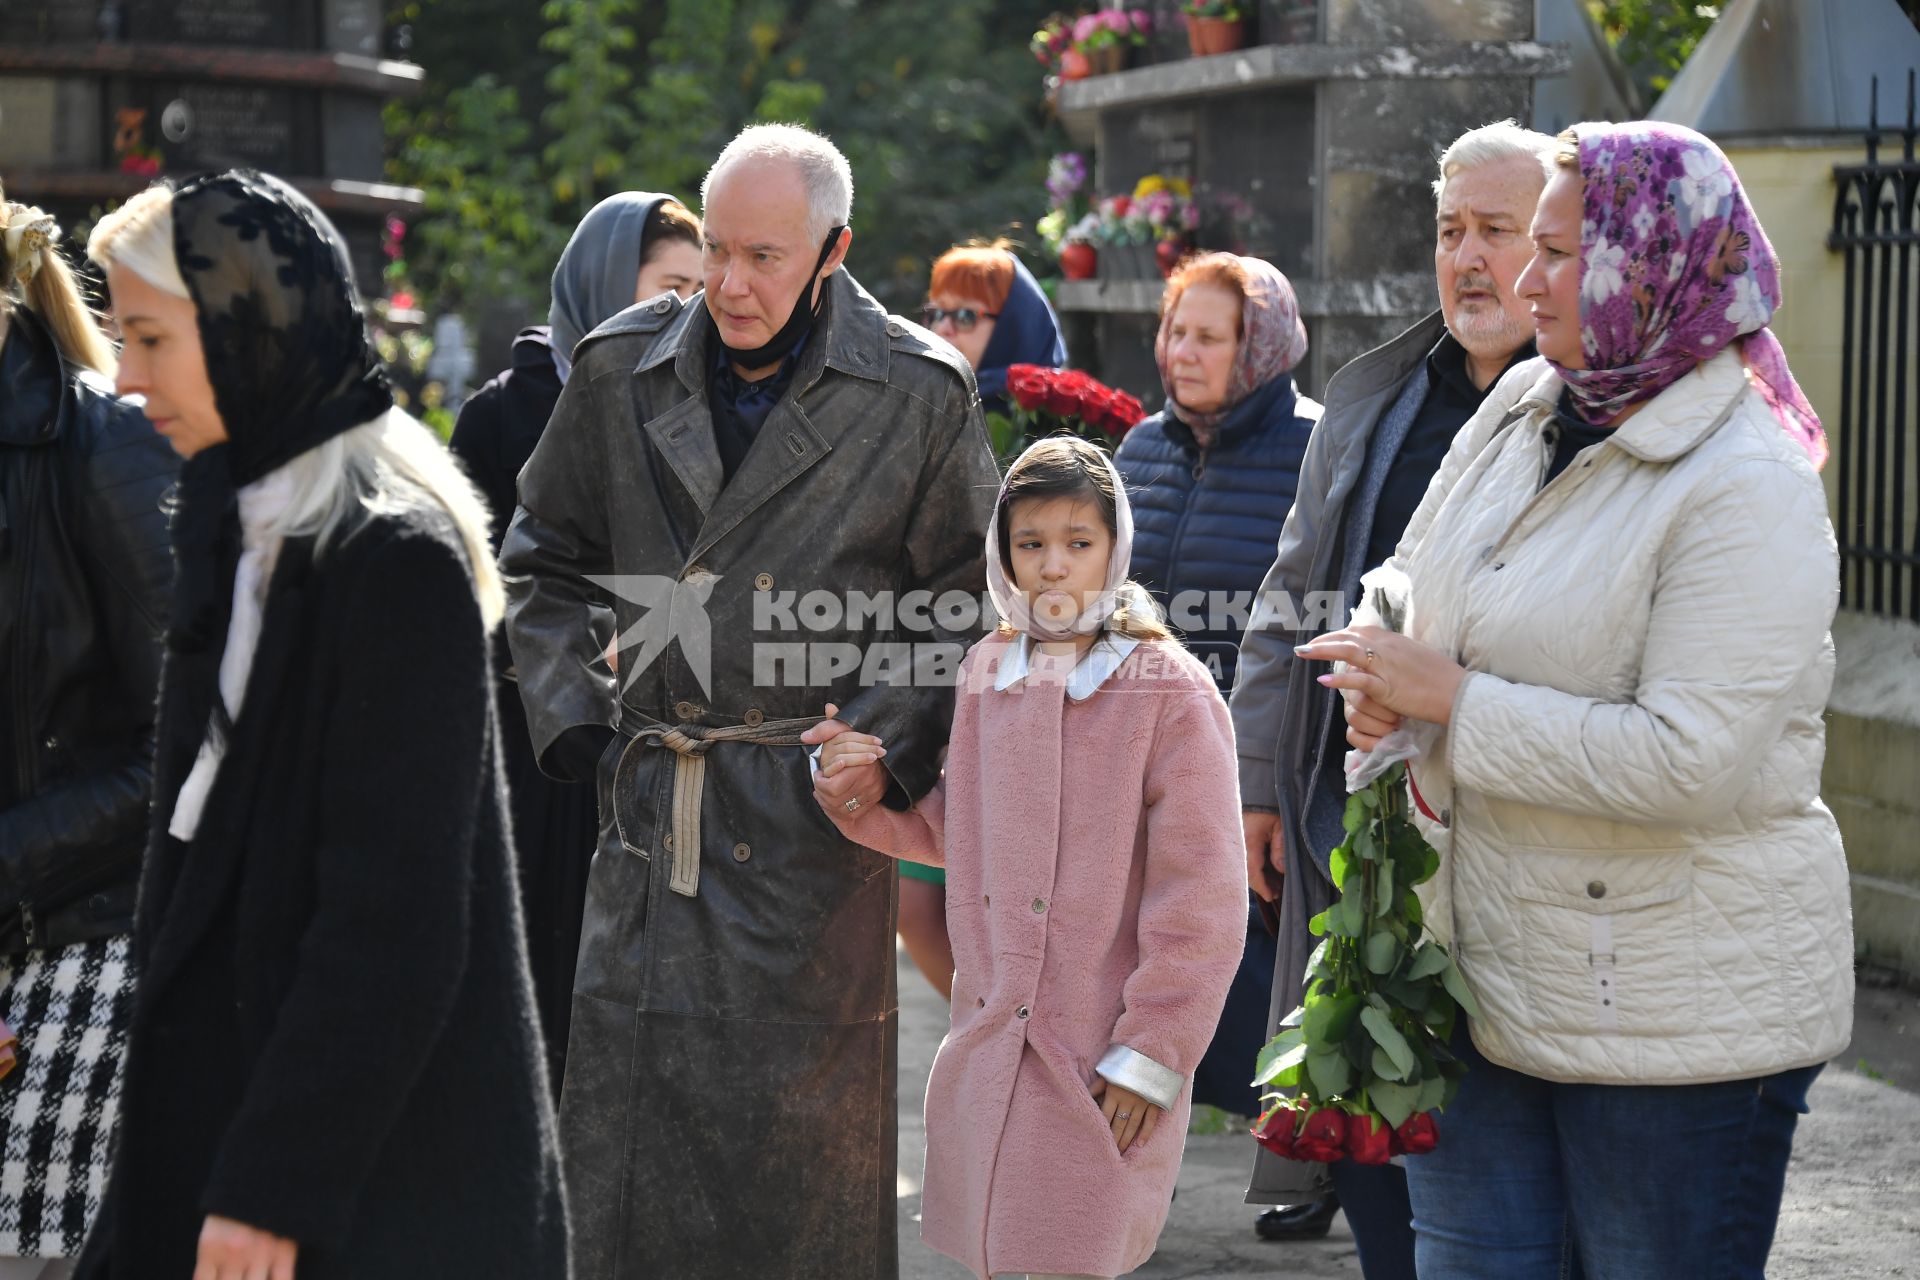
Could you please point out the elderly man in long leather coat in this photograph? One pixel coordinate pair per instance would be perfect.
(729, 1109)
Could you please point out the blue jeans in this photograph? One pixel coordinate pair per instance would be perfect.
(1534, 1180)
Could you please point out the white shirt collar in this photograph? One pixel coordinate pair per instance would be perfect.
(1099, 662)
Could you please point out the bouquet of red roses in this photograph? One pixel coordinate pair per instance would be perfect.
(1045, 402)
(1366, 1051)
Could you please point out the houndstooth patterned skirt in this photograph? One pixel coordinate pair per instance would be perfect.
(58, 1108)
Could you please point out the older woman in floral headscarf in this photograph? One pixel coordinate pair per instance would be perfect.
(1212, 478)
(1616, 599)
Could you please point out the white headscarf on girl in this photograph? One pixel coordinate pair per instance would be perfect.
(1011, 602)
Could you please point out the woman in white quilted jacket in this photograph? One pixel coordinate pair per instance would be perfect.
(1616, 598)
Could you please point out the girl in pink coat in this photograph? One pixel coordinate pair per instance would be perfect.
(1089, 823)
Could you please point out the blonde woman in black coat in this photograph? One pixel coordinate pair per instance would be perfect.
(333, 1067)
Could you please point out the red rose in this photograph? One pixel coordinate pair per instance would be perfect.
(1276, 1132)
(1127, 411)
(1418, 1134)
(1323, 1137)
(1096, 406)
(1368, 1138)
(1027, 384)
(1061, 399)
(1122, 205)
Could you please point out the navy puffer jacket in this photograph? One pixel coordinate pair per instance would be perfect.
(1209, 523)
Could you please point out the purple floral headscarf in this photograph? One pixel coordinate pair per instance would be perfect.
(1673, 267)
(1272, 341)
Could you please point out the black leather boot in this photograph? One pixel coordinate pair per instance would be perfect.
(1308, 1221)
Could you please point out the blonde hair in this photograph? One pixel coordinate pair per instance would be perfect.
(139, 236)
(1566, 149)
(35, 275)
(389, 464)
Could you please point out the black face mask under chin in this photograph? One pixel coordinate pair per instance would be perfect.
(799, 321)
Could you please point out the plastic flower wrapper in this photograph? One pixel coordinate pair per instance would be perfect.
(1368, 1042)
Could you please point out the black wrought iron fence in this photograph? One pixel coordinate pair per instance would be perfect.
(1876, 223)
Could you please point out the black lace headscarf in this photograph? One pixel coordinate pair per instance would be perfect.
(292, 366)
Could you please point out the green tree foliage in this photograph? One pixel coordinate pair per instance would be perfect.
(1653, 37)
(590, 119)
(935, 102)
(489, 230)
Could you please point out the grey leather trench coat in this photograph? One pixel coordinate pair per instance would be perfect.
(729, 1103)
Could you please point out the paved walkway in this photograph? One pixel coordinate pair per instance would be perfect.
(1852, 1207)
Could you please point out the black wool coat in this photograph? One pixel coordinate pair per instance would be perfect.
(333, 1036)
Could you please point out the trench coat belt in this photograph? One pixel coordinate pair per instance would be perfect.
(690, 744)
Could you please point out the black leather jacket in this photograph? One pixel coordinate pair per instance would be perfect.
(84, 571)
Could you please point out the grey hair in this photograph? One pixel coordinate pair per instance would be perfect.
(1501, 140)
(824, 172)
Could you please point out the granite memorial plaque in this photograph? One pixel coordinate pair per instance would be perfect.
(269, 24)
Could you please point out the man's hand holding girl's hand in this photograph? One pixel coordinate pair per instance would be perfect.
(850, 777)
(1131, 1117)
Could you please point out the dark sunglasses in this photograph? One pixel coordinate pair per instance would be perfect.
(963, 319)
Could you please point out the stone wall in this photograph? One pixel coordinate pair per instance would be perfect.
(1872, 782)
(1872, 775)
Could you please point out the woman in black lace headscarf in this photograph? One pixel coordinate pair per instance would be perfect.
(333, 1062)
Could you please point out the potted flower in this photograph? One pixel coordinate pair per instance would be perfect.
(1107, 36)
(1126, 240)
(1171, 216)
(1043, 402)
(1073, 243)
(1216, 26)
(1050, 42)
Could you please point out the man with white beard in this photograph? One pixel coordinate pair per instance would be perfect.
(1390, 416)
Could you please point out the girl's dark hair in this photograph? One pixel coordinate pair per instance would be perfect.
(666, 222)
(1065, 466)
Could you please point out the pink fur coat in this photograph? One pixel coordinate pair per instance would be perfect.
(1096, 897)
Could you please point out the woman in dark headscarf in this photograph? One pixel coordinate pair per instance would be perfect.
(985, 302)
(333, 1062)
(631, 246)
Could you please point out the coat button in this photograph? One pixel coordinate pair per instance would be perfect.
(1039, 906)
(1022, 1012)
(1446, 817)
(685, 711)
(666, 842)
(692, 571)
(742, 852)
(763, 582)
(986, 899)
(1596, 889)
(663, 306)
(895, 329)
(754, 718)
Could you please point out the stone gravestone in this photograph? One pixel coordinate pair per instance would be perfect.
(98, 97)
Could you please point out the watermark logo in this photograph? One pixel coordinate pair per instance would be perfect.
(817, 639)
(675, 609)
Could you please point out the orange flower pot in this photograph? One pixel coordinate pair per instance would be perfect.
(1208, 36)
